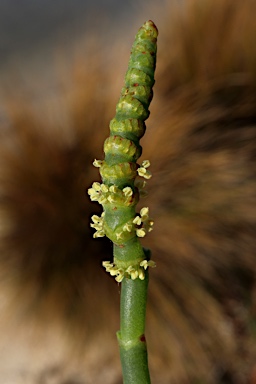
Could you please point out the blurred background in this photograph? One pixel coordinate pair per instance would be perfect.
(33, 33)
(62, 65)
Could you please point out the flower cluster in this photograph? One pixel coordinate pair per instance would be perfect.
(143, 222)
(114, 195)
(133, 271)
(143, 171)
(98, 225)
(136, 226)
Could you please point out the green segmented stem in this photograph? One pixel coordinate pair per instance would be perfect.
(119, 194)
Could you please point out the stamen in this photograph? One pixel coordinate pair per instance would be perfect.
(97, 163)
(127, 191)
(144, 213)
(141, 232)
(145, 163)
(104, 188)
(96, 186)
(137, 220)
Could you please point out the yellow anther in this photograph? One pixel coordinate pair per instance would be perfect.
(97, 163)
(134, 274)
(127, 191)
(100, 233)
(147, 175)
(133, 271)
(141, 171)
(111, 199)
(96, 226)
(137, 220)
(104, 188)
(96, 186)
(91, 191)
(102, 200)
(113, 271)
(119, 278)
(140, 232)
(144, 213)
(94, 198)
(113, 189)
(93, 194)
(96, 219)
(145, 163)
(144, 173)
(144, 264)
(107, 264)
(141, 274)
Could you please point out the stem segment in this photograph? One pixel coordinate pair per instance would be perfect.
(131, 338)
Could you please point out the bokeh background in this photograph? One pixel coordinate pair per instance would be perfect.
(62, 68)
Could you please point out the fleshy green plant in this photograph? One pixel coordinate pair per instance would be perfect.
(122, 187)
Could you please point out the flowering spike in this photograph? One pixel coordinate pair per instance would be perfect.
(120, 190)
(119, 194)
